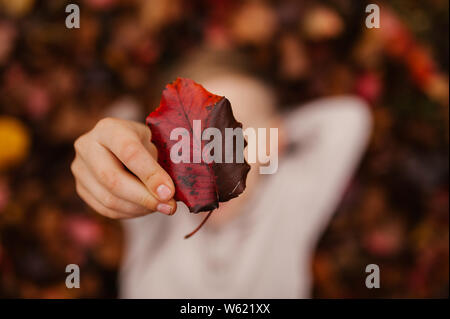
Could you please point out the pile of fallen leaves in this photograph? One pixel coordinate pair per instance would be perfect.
(56, 83)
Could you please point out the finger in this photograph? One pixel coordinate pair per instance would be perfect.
(102, 195)
(127, 146)
(110, 173)
(97, 206)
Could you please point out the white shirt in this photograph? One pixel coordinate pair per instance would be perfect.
(266, 251)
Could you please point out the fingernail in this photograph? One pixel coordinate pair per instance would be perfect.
(164, 208)
(163, 192)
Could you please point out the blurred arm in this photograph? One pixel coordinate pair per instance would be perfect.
(332, 134)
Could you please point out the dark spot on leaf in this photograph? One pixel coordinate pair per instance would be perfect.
(188, 181)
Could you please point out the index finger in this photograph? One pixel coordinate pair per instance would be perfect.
(128, 147)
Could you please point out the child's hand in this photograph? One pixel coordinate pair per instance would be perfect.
(103, 181)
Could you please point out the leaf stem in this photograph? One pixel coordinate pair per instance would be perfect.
(199, 226)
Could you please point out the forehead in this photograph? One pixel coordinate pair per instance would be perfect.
(252, 102)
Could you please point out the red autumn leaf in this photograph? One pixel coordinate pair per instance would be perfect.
(201, 186)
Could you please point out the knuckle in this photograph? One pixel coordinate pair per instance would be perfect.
(110, 201)
(78, 144)
(109, 179)
(105, 123)
(130, 151)
(148, 202)
(73, 168)
(150, 176)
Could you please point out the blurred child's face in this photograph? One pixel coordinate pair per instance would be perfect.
(252, 102)
(253, 106)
